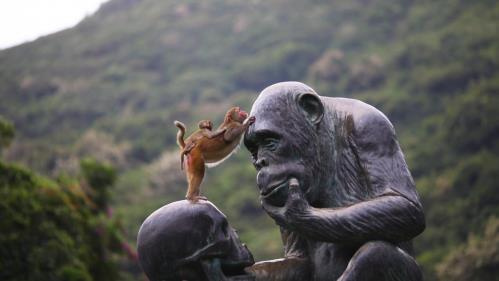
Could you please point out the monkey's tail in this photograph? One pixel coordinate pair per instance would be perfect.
(180, 141)
(180, 134)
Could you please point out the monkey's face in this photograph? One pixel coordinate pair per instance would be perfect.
(237, 114)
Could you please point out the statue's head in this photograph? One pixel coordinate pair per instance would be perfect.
(287, 141)
(191, 241)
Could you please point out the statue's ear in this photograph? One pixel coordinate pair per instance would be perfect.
(311, 105)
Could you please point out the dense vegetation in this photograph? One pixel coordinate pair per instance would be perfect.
(59, 230)
(110, 88)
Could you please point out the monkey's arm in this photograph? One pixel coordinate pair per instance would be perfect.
(237, 130)
(210, 134)
(394, 212)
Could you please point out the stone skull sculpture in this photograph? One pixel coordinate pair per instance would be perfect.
(186, 241)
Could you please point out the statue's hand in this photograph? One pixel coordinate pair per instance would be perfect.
(296, 207)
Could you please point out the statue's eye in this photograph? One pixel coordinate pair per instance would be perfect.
(270, 144)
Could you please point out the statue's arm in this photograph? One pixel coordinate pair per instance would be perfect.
(389, 218)
(285, 269)
(294, 266)
(393, 214)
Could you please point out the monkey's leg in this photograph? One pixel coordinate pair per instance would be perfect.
(195, 172)
(382, 261)
(187, 148)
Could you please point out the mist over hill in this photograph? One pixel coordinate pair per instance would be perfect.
(111, 87)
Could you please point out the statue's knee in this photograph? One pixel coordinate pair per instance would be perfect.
(374, 255)
(377, 251)
(382, 261)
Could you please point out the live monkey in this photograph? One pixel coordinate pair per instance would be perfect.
(205, 147)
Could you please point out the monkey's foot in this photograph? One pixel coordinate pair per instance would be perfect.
(195, 199)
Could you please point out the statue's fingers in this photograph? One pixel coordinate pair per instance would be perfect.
(277, 213)
(294, 190)
(271, 209)
(294, 185)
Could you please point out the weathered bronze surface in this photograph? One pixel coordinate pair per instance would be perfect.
(191, 241)
(333, 177)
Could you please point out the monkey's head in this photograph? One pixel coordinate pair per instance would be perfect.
(205, 124)
(289, 140)
(235, 114)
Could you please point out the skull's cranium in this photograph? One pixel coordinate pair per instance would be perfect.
(191, 241)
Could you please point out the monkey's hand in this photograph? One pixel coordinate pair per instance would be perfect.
(293, 211)
(236, 132)
(250, 120)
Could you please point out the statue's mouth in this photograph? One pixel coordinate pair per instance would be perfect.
(273, 188)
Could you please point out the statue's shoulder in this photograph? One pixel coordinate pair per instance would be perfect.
(363, 114)
(369, 123)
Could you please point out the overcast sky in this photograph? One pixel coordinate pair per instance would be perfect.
(26, 20)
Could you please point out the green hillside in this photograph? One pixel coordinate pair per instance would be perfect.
(111, 87)
(58, 229)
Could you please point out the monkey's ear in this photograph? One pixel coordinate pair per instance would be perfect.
(311, 105)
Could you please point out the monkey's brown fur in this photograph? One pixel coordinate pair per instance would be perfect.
(207, 147)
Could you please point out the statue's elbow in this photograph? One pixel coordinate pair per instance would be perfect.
(418, 222)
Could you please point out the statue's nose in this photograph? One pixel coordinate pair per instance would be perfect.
(260, 163)
(262, 179)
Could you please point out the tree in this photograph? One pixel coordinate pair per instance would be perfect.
(477, 260)
(6, 133)
(100, 177)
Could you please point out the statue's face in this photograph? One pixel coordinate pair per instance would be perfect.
(274, 157)
(282, 146)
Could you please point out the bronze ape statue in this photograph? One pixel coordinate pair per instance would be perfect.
(333, 177)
